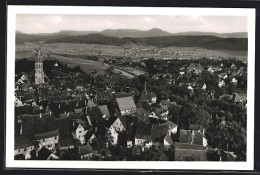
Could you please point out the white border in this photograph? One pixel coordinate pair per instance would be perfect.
(13, 10)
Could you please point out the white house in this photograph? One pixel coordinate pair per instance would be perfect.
(17, 102)
(48, 139)
(114, 134)
(80, 129)
(221, 83)
(118, 124)
(23, 146)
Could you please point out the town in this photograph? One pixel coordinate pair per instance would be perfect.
(151, 109)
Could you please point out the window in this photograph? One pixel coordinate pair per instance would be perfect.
(55, 138)
(80, 131)
(25, 149)
(43, 140)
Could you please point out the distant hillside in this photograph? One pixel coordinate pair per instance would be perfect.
(208, 42)
(75, 33)
(90, 39)
(22, 38)
(220, 35)
(134, 33)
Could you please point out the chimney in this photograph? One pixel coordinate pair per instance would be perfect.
(59, 105)
(68, 114)
(40, 115)
(145, 86)
(77, 104)
(21, 129)
(50, 112)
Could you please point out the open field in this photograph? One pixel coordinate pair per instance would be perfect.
(75, 54)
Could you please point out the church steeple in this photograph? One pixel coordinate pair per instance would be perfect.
(39, 74)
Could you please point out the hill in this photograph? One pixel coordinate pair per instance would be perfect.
(133, 33)
(208, 42)
(220, 35)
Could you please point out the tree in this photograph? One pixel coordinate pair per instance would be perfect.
(153, 155)
(201, 117)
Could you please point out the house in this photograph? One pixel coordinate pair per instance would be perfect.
(142, 115)
(240, 98)
(172, 127)
(189, 152)
(204, 87)
(66, 142)
(90, 136)
(148, 135)
(44, 153)
(22, 78)
(210, 69)
(23, 145)
(114, 134)
(118, 124)
(49, 139)
(65, 127)
(160, 113)
(148, 96)
(194, 67)
(193, 137)
(144, 104)
(168, 142)
(80, 128)
(17, 102)
(94, 115)
(126, 105)
(143, 134)
(103, 96)
(221, 83)
(85, 152)
(104, 111)
(234, 80)
(165, 104)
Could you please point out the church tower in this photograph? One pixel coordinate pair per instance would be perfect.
(39, 74)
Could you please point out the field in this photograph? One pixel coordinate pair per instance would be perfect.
(75, 54)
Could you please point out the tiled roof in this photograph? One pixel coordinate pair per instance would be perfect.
(21, 141)
(185, 136)
(145, 105)
(126, 103)
(83, 123)
(44, 153)
(143, 131)
(121, 95)
(188, 146)
(104, 110)
(66, 141)
(23, 110)
(85, 150)
(169, 124)
(94, 113)
(194, 127)
(46, 135)
(239, 97)
(168, 138)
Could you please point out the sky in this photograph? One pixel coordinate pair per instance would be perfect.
(36, 23)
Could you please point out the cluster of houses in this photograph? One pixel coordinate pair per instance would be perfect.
(71, 111)
(47, 118)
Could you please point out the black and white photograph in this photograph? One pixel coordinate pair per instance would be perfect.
(135, 88)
